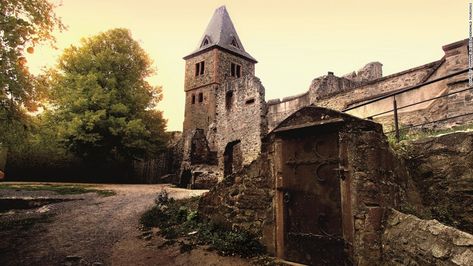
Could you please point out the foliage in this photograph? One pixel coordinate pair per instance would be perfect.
(37, 151)
(179, 218)
(60, 189)
(411, 134)
(23, 24)
(103, 104)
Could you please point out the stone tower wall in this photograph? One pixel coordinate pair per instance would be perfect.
(200, 113)
(243, 118)
(224, 60)
(217, 70)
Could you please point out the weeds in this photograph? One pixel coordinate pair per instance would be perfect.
(180, 219)
(410, 134)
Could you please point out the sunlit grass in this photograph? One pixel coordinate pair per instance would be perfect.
(59, 189)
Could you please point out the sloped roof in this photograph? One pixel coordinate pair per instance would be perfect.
(310, 116)
(220, 32)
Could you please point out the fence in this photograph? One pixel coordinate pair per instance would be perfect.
(395, 109)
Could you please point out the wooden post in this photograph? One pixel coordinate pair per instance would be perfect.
(396, 119)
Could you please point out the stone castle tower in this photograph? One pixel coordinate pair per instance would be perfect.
(219, 57)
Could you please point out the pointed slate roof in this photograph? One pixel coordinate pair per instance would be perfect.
(221, 33)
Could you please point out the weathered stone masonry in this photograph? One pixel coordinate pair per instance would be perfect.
(375, 181)
(265, 161)
(237, 101)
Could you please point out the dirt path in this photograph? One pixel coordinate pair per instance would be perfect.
(101, 231)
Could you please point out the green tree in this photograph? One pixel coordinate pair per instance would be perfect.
(23, 24)
(103, 104)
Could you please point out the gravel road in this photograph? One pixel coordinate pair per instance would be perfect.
(95, 230)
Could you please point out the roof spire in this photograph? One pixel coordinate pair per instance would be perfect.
(221, 32)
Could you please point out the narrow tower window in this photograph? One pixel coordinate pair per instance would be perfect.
(201, 97)
(235, 70)
(228, 99)
(193, 98)
(199, 68)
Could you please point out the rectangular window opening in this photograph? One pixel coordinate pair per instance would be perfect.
(238, 71)
(201, 97)
(250, 101)
(235, 70)
(199, 68)
(232, 70)
(193, 99)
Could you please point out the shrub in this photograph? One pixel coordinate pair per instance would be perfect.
(180, 218)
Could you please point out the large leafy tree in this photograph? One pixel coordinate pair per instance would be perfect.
(23, 24)
(103, 104)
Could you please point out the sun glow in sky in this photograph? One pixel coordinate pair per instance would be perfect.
(293, 41)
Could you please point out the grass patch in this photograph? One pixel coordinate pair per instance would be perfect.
(24, 224)
(179, 218)
(410, 134)
(59, 189)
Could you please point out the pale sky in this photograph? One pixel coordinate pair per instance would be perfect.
(293, 41)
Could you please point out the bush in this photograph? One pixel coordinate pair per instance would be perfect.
(180, 218)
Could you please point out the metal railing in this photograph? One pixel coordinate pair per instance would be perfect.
(396, 108)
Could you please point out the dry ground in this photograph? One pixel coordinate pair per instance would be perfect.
(94, 230)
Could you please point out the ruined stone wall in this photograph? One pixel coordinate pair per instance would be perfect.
(456, 59)
(241, 116)
(369, 72)
(409, 240)
(377, 181)
(329, 85)
(243, 200)
(279, 110)
(338, 93)
(377, 87)
(442, 169)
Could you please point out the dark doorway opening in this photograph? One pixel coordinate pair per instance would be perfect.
(186, 178)
(233, 159)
